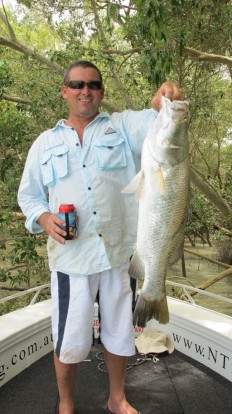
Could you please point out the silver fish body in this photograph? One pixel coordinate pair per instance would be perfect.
(162, 186)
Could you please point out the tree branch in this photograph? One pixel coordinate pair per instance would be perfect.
(217, 262)
(19, 47)
(121, 52)
(4, 18)
(117, 80)
(208, 56)
(209, 192)
(201, 56)
(15, 99)
(107, 105)
(211, 281)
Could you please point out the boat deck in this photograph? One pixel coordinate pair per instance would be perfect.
(175, 384)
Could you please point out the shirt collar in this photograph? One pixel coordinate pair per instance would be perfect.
(61, 122)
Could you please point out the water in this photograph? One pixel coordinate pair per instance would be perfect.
(199, 270)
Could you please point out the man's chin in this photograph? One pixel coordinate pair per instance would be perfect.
(88, 115)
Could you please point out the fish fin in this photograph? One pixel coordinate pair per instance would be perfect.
(177, 242)
(146, 310)
(136, 185)
(163, 311)
(156, 181)
(177, 251)
(139, 190)
(160, 180)
(136, 268)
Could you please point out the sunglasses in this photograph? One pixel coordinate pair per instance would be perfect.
(78, 84)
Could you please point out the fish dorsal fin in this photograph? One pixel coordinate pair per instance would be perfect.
(136, 185)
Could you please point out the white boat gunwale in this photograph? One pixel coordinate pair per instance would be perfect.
(24, 328)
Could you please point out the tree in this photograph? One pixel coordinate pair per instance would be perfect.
(136, 44)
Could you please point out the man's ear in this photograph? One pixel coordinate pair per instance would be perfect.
(64, 91)
(102, 92)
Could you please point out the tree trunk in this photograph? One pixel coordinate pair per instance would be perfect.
(210, 193)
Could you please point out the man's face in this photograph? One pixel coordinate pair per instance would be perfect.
(83, 103)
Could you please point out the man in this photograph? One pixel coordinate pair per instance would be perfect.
(87, 160)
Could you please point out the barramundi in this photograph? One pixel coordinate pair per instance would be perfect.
(162, 187)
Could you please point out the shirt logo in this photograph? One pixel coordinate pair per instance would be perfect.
(110, 131)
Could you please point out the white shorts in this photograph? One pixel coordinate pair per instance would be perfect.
(73, 298)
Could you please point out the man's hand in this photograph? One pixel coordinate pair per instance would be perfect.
(168, 89)
(51, 224)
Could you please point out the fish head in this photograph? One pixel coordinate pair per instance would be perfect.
(169, 143)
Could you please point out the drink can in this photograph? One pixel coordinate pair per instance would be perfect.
(67, 213)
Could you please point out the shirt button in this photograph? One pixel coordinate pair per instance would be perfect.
(94, 212)
(84, 165)
(77, 144)
(100, 235)
(89, 188)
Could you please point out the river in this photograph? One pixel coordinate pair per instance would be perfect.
(199, 270)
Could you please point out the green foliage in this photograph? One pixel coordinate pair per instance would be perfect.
(211, 130)
(148, 24)
(22, 263)
(6, 75)
(149, 37)
(203, 219)
(16, 137)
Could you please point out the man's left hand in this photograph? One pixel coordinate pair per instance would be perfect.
(168, 89)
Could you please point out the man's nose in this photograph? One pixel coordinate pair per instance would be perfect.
(86, 87)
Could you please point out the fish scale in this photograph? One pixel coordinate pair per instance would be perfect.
(162, 187)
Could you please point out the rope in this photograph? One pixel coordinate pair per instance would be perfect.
(139, 361)
(143, 358)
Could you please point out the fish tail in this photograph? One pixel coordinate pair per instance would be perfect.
(146, 310)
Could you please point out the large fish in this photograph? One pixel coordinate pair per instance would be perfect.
(162, 187)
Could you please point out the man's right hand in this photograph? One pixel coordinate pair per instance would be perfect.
(51, 224)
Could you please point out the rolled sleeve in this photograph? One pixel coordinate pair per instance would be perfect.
(32, 194)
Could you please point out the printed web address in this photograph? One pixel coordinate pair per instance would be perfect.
(214, 356)
(23, 354)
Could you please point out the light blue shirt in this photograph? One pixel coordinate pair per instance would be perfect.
(59, 170)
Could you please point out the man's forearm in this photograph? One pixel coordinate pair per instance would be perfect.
(43, 219)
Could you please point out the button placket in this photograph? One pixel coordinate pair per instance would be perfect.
(89, 180)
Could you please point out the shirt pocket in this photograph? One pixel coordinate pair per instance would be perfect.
(110, 153)
(54, 164)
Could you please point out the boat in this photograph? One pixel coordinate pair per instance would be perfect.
(25, 334)
(202, 339)
(202, 334)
